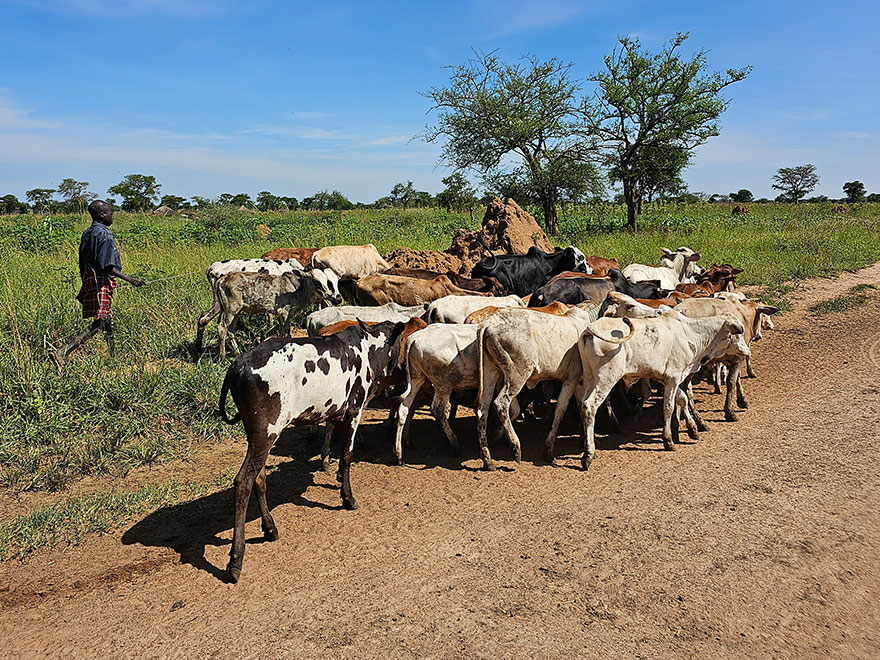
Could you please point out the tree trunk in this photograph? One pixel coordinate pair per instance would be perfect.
(632, 204)
(551, 219)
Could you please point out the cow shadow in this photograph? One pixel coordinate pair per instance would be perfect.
(188, 528)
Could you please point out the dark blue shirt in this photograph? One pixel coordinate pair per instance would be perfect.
(97, 249)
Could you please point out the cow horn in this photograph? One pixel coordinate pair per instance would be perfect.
(632, 331)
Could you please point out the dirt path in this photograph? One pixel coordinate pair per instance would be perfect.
(761, 541)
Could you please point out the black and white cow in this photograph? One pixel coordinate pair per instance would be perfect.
(301, 382)
(524, 273)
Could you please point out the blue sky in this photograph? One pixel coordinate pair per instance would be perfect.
(214, 96)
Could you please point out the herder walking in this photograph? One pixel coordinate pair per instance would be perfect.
(99, 266)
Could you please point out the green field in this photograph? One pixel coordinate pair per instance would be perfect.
(154, 403)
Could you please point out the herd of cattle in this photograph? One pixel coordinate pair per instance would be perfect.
(581, 322)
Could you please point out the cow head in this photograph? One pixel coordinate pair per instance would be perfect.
(578, 260)
(327, 284)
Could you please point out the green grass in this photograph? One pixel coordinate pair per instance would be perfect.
(71, 520)
(153, 403)
(857, 296)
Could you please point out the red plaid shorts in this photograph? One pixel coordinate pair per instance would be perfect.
(96, 294)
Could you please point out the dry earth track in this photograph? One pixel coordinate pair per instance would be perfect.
(761, 541)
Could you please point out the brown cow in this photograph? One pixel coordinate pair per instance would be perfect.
(555, 308)
(378, 289)
(302, 255)
(600, 265)
(488, 285)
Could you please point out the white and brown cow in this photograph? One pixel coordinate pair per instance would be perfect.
(387, 312)
(301, 382)
(455, 309)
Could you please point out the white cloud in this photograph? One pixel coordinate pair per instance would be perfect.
(516, 16)
(856, 135)
(13, 117)
(390, 139)
(302, 132)
(309, 115)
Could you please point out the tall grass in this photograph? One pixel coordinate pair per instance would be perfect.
(152, 402)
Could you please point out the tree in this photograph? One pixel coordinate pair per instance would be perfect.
(795, 182)
(138, 191)
(855, 191)
(40, 198)
(646, 104)
(873, 197)
(10, 205)
(458, 194)
(242, 199)
(492, 109)
(403, 195)
(290, 202)
(76, 194)
(327, 201)
(172, 201)
(266, 201)
(742, 196)
(661, 176)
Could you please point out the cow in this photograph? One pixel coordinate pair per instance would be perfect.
(379, 289)
(524, 273)
(578, 289)
(387, 312)
(555, 308)
(601, 266)
(455, 309)
(749, 313)
(300, 382)
(488, 285)
(220, 268)
(671, 272)
(620, 305)
(302, 255)
(517, 348)
(350, 262)
(257, 293)
(670, 300)
(713, 280)
(668, 348)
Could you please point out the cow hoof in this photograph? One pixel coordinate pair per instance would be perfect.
(730, 416)
(702, 426)
(325, 466)
(668, 445)
(351, 504)
(586, 462)
(489, 466)
(517, 456)
(694, 435)
(742, 403)
(549, 457)
(270, 534)
(399, 460)
(234, 570)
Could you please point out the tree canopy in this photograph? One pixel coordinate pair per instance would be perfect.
(492, 109)
(855, 191)
(139, 192)
(654, 105)
(795, 182)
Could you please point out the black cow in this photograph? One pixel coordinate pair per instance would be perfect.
(523, 273)
(576, 290)
(300, 382)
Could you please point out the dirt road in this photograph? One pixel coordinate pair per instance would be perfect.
(760, 541)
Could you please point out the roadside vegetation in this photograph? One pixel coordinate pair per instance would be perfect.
(154, 403)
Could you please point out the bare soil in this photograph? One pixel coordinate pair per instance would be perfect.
(760, 541)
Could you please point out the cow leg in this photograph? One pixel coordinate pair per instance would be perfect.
(403, 414)
(670, 387)
(749, 372)
(597, 393)
(502, 408)
(270, 531)
(453, 405)
(741, 400)
(609, 408)
(561, 406)
(732, 377)
(259, 444)
(701, 425)
(718, 376)
(325, 447)
(439, 406)
(347, 430)
(485, 400)
(233, 329)
(223, 325)
(682, 403)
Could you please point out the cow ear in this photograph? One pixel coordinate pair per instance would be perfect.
(363, 326)
(666, 250)
(736, 271)
(396, 331)
(769, 310)
(694, 257)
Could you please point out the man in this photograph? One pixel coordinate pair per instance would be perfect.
(99, 266)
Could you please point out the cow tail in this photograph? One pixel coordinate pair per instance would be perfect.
(231, 377)
(614, 340)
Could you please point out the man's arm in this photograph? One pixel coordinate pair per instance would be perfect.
(131, 279)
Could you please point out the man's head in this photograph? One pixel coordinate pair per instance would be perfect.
(101, 212)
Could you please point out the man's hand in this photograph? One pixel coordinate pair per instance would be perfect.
(131, 279)
(137, 281)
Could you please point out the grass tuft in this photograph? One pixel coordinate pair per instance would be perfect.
(857, 296)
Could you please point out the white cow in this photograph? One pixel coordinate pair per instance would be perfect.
(350, 262)
(675, 268)
(668, 348)
(388, 312)
(455, 309)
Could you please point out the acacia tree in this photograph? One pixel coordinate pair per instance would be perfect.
(492, 109)
(742, 196)
(855, 191)
(648, 103)
(40, 198)
(138, 191)
(458, 194)
(75, 193)
(796, 182)
(403, 195)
